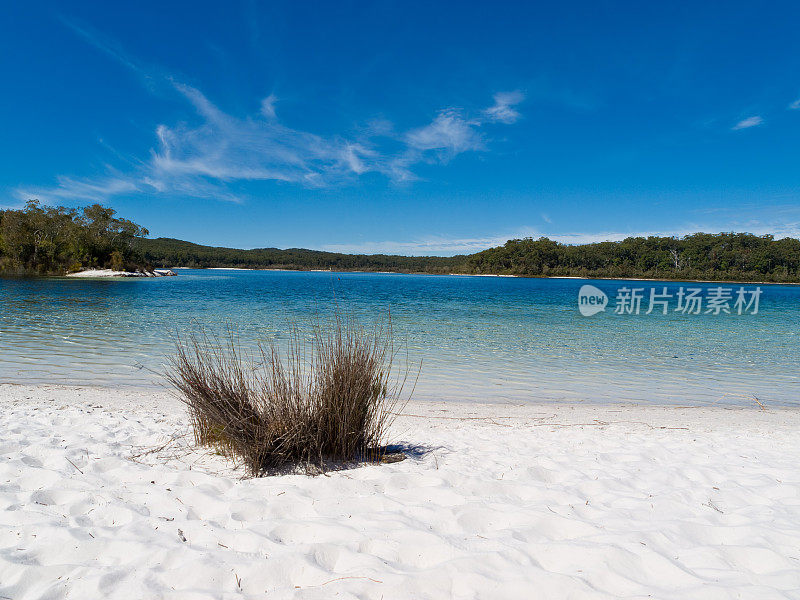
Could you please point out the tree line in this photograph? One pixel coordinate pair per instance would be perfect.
(720, 256)
(47, 240)
(177, 253)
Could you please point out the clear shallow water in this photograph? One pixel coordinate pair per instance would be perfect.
(478, 338)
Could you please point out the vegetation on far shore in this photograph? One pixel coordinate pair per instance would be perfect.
(177, 253)
(47, 240)
(700, 256)
(715, 257)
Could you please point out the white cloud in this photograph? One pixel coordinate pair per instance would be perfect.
(795, 105)
(207, 158)
(429, 246)
(444, 245)
(227, 148)
(448, 246)
(449, 134)
(68, 189)
(203, 159)
(354, 157)
(748, 122)
(268, 106)
(503, 109)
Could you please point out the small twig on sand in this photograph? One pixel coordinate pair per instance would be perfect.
(148, 451)
(450, 418)
(349, 577)
(746, 397)
(601, 424)
(492, 420)
(74, 465)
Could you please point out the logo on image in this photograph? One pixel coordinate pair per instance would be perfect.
(591, 300)
(685, 300)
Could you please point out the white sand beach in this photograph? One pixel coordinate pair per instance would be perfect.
(494, 501)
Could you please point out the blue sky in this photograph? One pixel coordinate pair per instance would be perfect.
(406, 127)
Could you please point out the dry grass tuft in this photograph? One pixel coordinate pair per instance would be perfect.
(330, 398)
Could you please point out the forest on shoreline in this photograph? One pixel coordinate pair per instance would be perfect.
(699, 256)
(46, 240)
(54, 241)
(177, 253)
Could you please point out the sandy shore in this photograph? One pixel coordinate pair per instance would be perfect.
(101, 273)
(495, 501)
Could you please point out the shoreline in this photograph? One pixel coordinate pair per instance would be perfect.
(495, 500)
(159, 389)
(500, 275)
(109, 274)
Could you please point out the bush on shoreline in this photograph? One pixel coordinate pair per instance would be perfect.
(327, 399)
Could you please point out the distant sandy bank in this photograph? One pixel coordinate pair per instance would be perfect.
(111, 273)
(503, 275)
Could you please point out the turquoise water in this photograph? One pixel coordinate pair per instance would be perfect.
(477, 338)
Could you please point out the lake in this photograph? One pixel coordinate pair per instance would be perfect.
(491, 339)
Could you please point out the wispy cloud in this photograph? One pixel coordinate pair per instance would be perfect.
(207, 158)
(448, 246)
(225, 148)
(753, 121)
(795, 105)
(449, 134)
(201, 160)
(503, 109)
(149, 75)
(268, 106)
(780, 227)
(88, 190)
(428, 246)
